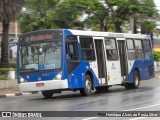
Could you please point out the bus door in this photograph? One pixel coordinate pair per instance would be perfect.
(100, 59)
(113, 62)
(123, 58)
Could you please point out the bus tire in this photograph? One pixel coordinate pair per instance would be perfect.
(47, 93)
(128, 86)
(87, 86)
(102, 88)
(136, 80)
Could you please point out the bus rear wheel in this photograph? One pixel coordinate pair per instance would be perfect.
(87, 86)
(47, 93)
(136, 81)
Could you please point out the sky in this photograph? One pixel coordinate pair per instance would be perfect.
(157, 2)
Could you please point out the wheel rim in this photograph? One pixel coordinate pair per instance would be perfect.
(136, 80)
(88, 86)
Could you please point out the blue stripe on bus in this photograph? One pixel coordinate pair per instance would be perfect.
(43, 76)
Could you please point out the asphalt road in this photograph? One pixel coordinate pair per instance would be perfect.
(146, 98)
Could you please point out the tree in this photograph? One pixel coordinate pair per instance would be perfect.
(39, 14)
(119, 12)
(46, 14)
(143, 11)
(9, 10)
(156, 56)
(71, 12)
(113, 15)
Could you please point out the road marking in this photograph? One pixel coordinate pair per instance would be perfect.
(137, 118)
(90, 118)
(128, 110)
(142, 107)
(9, 95)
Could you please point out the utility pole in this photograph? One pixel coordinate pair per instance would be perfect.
(131, 24)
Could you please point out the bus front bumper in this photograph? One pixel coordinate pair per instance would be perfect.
(43, 85)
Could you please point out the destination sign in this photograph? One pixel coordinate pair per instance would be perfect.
(38, 37)
(41, 36)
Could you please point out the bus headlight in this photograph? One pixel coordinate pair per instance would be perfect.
(22, 80)
(59, 76)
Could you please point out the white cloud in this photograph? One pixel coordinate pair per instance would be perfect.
(157, 2)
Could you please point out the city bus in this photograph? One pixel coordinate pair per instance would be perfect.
(55, 60)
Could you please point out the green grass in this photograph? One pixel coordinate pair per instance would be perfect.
(4, 71)
(12, 64)
(3, 77)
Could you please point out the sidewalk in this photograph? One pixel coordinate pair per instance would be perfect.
(157, 74)
(6, 92)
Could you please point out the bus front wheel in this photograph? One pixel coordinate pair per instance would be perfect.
(47, 93)
(87, 86)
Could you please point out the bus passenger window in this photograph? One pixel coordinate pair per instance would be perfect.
(111, 49)
(87, 47)
(139, 49)
(131, 49)
(147, 46)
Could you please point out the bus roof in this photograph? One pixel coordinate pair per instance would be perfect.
(108, 34)
(95, 33)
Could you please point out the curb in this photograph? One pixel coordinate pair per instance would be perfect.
(16, 94)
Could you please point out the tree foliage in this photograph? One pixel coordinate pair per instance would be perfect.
(112, 15)
(39, 14)
(73, 10)
(156, 56)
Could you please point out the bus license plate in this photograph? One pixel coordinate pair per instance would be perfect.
(39, 84)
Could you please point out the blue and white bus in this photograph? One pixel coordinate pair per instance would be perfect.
(53, 61)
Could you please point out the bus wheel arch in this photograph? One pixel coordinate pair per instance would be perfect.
(136, 80)
(91, 76)
(88, 84)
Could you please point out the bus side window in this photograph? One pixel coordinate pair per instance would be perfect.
(72, 51)
(131, 49)
(67, 51)
(87, 48)
(139, 49)
(147, 46)
(111, 49)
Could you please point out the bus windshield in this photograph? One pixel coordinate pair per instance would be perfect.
(40, 56)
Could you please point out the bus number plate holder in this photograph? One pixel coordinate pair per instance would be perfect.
(39, 84)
